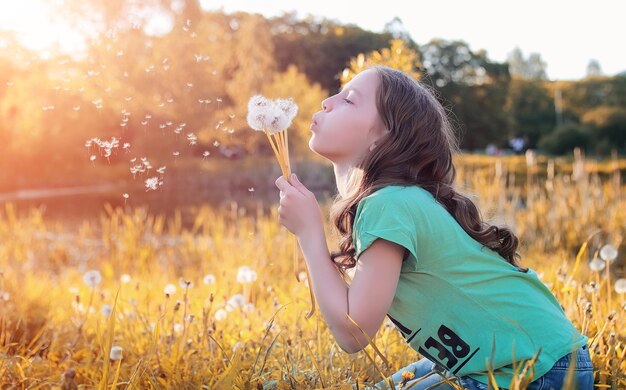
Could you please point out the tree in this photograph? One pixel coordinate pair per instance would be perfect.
(531, 110)
(593, 69)
(397, 56)
(533, 68)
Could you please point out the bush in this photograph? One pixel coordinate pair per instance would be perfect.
(566, 137)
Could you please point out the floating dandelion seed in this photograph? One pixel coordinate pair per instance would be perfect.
(92, 157)
(116, 353)
(161, 170)
(216, 143)
(192, 138)
(251, 189)
(5, 296)
(209, 279)
(169, 289)
(76, 108)
(126, 146)
(152, 183)
(608, 253)
(205, 154)
(92, 278)
(125, 196)
(190, 85)
(597, 264)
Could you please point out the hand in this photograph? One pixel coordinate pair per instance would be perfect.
(299, 211)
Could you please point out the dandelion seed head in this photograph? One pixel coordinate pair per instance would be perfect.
(116, 353)
(106, 310)
(152, 183)
(246, 274)
(220, 314)
(125, 278)
(620, 286)
(209, 279)
(608, 253)
(92, 278)
(597, 264)
(169, 289)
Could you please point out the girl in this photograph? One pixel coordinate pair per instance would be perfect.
(423, 257)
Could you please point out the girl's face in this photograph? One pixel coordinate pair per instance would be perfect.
(348, 124)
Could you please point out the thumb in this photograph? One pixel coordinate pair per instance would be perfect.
(296, 183)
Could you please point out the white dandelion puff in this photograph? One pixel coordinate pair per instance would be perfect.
(597, 264)
(209, 279)
(106, 310)
(608, 253)
(92, 278)
(246, 274)
(220, 314)
(116, 353)
(169, 289)
(125, 278)
(620, 286)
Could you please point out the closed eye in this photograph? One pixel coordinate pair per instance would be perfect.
(348, 101)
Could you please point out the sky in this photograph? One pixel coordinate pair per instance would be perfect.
(567, 34)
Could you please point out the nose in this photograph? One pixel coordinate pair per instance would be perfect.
(324, 104)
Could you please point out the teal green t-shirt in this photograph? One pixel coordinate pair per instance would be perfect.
(456, 299)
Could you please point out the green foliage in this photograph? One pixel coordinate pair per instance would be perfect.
(565, 138)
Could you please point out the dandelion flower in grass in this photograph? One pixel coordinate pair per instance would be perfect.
(5, 296)
(247, 307)
(220, 314)
(125, 278)
(92, 278)
(178, 327)
(209, 279)
(620, 286)
(246, 274)
(608, 253)
(169, 289)
(234, 302)
(106, 310)
(116, 353)
(184, 283)
(597, 264)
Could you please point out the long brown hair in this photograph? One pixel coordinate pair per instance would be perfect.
(417, 150)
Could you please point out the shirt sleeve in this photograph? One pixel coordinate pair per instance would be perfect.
(388, 217)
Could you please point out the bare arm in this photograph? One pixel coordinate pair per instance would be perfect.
(366, 300)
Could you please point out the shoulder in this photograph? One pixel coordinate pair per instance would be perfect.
(394, 197)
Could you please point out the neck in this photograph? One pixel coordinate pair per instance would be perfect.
(342, 173)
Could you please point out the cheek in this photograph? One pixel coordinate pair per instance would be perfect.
(348, 140)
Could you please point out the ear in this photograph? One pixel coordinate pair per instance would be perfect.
(372, 147)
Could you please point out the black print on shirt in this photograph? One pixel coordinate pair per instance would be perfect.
(448, 347)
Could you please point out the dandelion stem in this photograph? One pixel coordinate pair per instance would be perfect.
(274, 148)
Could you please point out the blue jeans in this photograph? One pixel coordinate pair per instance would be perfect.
(426, 375)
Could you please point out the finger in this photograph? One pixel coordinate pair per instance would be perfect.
(282, 184)
(297, 184)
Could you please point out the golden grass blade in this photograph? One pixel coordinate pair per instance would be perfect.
(385, 378)
(117, 375)
(308, 278)
(369, 340)
(314, 360)
(108, 344)
(579, 256)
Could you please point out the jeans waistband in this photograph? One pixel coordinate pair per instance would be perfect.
(583, 360)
